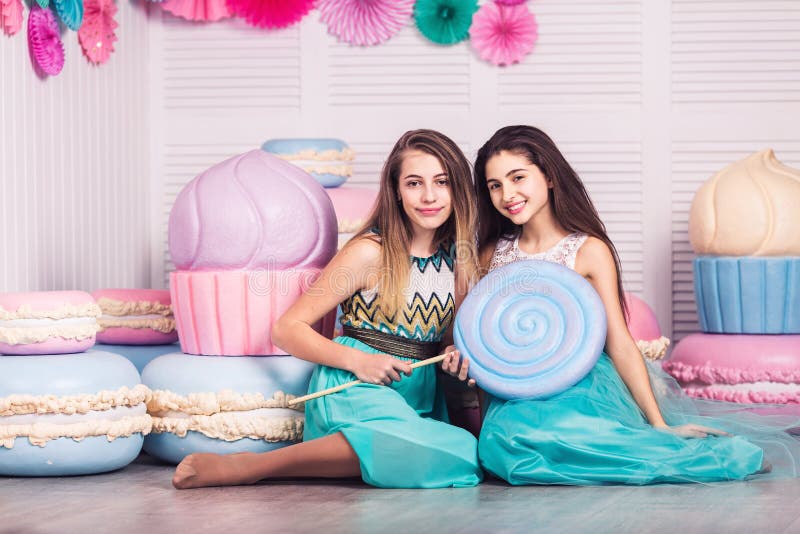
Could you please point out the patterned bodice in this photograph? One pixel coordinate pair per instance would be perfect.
(563, 253)
(429, 308)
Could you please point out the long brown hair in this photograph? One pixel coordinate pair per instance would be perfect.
(394, 230)
(571, 204)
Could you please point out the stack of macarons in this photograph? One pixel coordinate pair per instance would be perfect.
(743, 226)
(329, 161)
(136, 323)
(247, 236)
(64, 409)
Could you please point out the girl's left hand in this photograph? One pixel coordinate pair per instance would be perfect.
(693, 431)
(455, 365)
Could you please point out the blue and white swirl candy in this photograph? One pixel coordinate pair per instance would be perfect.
(530, 329)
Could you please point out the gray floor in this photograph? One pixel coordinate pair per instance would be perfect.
(140, 498)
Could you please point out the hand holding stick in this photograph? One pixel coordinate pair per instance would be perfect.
(335, 389)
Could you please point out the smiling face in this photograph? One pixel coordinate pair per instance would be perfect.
(518, 189)
(424, 190)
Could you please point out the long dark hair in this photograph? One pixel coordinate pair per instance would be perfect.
(395, 229)
(571, 205)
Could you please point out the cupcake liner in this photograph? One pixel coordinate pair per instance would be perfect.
(748, 295)
(232, 313)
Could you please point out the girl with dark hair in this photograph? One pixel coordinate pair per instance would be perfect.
(398, 281)
(609, 427)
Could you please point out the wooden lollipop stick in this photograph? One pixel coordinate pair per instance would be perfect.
(298, 400)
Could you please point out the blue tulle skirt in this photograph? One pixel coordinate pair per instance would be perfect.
(399, 432)
(594, 433)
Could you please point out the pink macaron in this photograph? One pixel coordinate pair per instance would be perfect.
(643, 326)
(759, 369)
(47, 322)
(135, 317)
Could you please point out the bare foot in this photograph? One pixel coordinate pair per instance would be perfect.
(766, 467)
(204, 469)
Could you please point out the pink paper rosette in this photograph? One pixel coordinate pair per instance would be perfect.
(44, 42)
(11, 16)
(198, 10)
(503, 34)
(510, 2)
(271, 14)
(365, 22)
(96, 35)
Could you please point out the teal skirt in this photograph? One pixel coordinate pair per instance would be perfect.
(399, 432)
(594, 433)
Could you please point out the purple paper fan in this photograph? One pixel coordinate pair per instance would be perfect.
(44, 41)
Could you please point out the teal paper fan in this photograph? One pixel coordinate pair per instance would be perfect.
(445, 21)
(70, 12)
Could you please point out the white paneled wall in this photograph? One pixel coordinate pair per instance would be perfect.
(229, 66)
(589, 55)
(406, 71)
(74, 165)
(735, 51)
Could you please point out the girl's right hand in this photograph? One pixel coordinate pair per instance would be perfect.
(378, 368)
(693, 431)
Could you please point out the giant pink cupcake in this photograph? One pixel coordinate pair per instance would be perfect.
(247, 237)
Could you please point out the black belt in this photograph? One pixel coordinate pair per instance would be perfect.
(392, 344)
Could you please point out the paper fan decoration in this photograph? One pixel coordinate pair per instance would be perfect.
(445, 21)
(270, 13)
(11, 15)
(200, 10)
(503, 34)
(96, 35)
(70, 12)
(509, 2)
(43, 3)
(44, 42)
(365, 22)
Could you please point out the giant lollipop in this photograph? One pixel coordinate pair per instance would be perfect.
(531, 329)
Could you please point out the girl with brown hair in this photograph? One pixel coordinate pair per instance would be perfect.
(609, 427)
(398, 282)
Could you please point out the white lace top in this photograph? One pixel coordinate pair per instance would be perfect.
(563, 253)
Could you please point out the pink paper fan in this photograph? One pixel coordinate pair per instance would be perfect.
(44, 41)
(503, 34)
(270, 13)
(11, 15)
(509, 2)
(96, 34)
(365, 22)
(202, 10)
